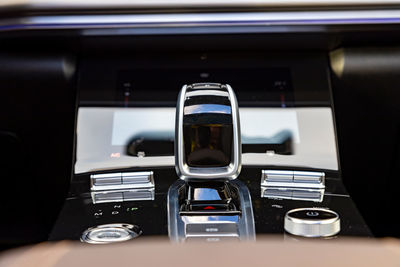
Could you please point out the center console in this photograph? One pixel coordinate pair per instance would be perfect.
(248, 147)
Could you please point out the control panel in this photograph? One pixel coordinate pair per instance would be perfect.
(247, 147)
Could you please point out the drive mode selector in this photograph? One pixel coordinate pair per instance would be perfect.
(312, 222)
(110, 233)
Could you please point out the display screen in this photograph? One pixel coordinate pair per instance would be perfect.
(268, 86)
(111, 138)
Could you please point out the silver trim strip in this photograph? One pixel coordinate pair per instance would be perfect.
(292, 179)
(208, 92)
(33, 5)
(124, 180)
(204, 19)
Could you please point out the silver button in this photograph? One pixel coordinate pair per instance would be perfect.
(309, 195)
(201, 229)
(102, 197)
(135, 195)
(312, 222)
(277, 176)
(106, 179)
(136, 177)
(308, 177)
(110, 233)
(277, 193)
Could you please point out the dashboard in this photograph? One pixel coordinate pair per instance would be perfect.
(90, 120)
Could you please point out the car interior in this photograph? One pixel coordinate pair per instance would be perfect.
(198, 122)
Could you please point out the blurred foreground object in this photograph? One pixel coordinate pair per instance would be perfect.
(266, 252)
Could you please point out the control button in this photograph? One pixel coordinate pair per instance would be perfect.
(277, 193)
(106, 179)
(211, 229)
(308, 177)
(315, 195)
(135, 195)
(312, 222)
(137, 177)
(304, 194)
(110, 233)
(102, 197)
(277, 176)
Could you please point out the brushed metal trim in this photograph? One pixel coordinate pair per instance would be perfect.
(312, 228)
(131, 231)
(279, 18)
(96, 179)
(293, 179)
(129, 4)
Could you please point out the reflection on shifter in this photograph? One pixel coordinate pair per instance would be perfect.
(207, 145)
(152, 144)
(212, 197)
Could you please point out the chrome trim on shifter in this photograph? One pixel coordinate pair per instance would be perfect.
(186, 172)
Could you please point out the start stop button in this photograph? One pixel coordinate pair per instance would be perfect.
(312, 222)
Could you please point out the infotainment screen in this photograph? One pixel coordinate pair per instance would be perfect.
(110, 138)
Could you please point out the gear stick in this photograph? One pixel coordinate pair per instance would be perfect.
(208, 203)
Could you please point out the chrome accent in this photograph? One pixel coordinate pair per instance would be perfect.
(107, 196)
(183, 170)
(99, 180)
(206, 226)
(119, 187)
(59, 5)
(124, 180)
(178, 225)
(277, 176)
(293, 179)
(138, 194)
(285, 18)
(110, 233)
(309, 177)
(303, 194)
(312, 227)
(122, 195)
(142, 178)
(208, 92)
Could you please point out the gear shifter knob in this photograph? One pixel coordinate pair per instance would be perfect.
(207, 135)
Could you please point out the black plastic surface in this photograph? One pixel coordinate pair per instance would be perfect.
(79, 213)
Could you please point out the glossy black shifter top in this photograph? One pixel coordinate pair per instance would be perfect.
(207, 137)
(207, 131)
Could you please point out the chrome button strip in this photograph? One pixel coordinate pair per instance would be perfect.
(294, 185)
(125, 186)
(293, 179)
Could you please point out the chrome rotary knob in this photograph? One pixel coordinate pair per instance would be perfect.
(312, 222)
(110, 233)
